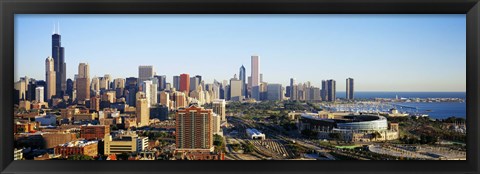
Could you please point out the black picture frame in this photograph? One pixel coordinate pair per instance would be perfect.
(9, 8)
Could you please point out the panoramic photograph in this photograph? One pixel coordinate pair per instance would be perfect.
(239, 87)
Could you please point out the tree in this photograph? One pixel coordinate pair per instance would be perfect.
(248, 147)
(334, 135)
(21, 129)
(375, 135)
(309, 133)
(123, 156)
(218, 143)
(80, 157)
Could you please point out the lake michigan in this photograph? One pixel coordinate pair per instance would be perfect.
(436, 110)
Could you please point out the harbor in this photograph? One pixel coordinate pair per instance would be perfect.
(434, 110)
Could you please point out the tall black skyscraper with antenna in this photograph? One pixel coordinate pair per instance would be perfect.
(58, 54)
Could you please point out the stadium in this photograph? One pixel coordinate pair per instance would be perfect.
(353, 128)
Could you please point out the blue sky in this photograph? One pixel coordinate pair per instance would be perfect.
(381, 52)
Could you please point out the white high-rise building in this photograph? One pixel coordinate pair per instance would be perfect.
(147, 89)
(150, 90)
(39, 91)
(216, 124)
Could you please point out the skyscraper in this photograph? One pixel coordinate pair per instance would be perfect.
(293, 89)
(21, 86)
(119, 87)
(95, 85)
(236, 89)
(194, 129)
(218, 106)
(83, 82)
(216, 124)
(331, 90)
(105, 82)
(131, 90)
(199, 77)
(60, 67)
(165, 99)
(180, 100)
(255, 77)
(194, 82)
(243, 78)
(287, 91)
(70, 87)
(150, 92)
(142, 111)
(50, 77)
(176, 82)
(274, 92)
(263, 91)
(315, 94)
(118, 83)
(39, 91)
(185, 83)
(145, 72)
(162, 82)
(349, 90)
(95, 103)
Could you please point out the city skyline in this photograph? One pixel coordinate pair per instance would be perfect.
(274, 71)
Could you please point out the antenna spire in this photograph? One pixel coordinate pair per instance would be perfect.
(58, 23)
(53, 32)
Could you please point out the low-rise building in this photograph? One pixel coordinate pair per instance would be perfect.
(44, 140)
(83, 147)
(159, 112)
(47, 120)
(108, 113)
(85, 116)
(199, 155)
(25, 104)
(20, 127)
(90, 132)
(39, 105)
(124, 142)
(54, 139)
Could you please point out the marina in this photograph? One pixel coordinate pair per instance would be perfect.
(435, 110)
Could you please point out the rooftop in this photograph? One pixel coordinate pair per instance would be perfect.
(254, 132)
(79, 143)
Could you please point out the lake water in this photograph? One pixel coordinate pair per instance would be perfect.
(437, 110)
(370, 95)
